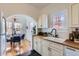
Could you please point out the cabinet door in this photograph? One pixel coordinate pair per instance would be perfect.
(40, 22)
(54, 52)
(35, 44)
(39, 46)
(44, 21)
(56, 49)
(45, 48)
(51, 51)
(75, 15)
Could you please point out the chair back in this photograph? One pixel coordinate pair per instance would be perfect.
(16, 39)
(23, 36)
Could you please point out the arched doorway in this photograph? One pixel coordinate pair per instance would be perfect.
(26, 25)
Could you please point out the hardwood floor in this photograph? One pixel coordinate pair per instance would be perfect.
(16, 50)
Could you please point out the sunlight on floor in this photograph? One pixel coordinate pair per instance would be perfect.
(24, 47)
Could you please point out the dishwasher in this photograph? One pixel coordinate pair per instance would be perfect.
(68, 51)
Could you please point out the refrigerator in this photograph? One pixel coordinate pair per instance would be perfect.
(2, 35)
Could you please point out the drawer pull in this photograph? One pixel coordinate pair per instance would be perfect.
(49, 48)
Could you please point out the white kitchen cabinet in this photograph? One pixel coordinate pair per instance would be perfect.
(75, 15)
(52, 49)
(45, 49)
(43, 21)
(39, 22)
(48, 48)
(56, 49)
(37, 45)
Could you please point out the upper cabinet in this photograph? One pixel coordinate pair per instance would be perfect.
(75, 15)
(43, 21)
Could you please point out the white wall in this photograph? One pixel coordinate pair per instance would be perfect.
(19, 8)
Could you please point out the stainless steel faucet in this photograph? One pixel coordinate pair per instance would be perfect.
(54, 32)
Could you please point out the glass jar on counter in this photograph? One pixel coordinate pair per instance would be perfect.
(71, 36)
(76, 35)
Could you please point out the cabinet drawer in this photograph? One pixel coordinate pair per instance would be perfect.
(56, 46)
(58, 54)
(57, 50)
(55, 53)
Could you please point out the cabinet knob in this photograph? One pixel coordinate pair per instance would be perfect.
(49, 48)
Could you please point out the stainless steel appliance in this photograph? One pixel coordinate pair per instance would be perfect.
(54, 32)
(68, 51)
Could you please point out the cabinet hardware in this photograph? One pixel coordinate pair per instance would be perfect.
(49, 48)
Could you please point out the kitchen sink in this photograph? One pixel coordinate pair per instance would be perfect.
(60, 40)
(48, 37)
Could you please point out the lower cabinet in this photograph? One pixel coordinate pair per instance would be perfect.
(52, 49)
(56, 49)
(48, 48)
(37, 45)
(45, 48)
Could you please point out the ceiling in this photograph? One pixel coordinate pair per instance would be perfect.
(39, 5)
(43, 5)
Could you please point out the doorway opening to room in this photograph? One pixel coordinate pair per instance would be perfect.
(19, 30)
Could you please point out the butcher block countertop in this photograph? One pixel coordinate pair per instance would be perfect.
(65, 43)
(71, 44)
